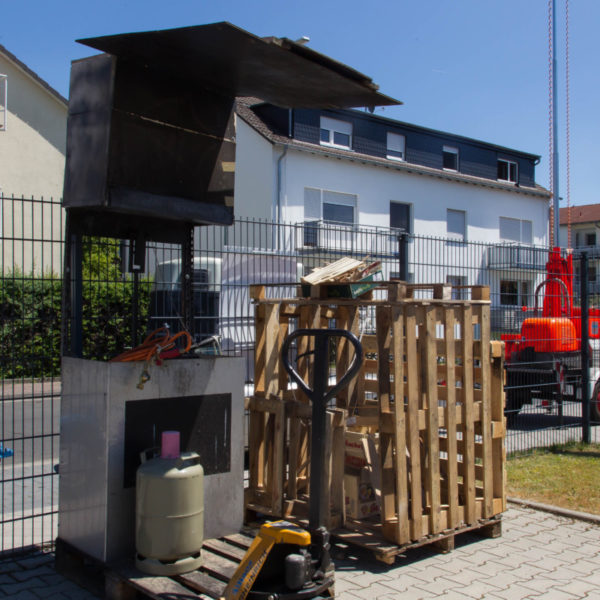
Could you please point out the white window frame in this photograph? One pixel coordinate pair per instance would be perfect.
(516, 165)
(450, 150)
(521, 224)
(396, 146)
(410, 216)
(334, 126)
(453, 235)
(328, 197)
(3, 101)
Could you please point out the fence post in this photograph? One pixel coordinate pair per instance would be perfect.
(585, 350)
(76, 295)
(403, 255)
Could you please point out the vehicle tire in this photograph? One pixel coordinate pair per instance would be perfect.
(512, 407)
(595, 403)
(515, 398)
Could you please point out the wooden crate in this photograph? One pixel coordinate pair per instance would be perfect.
(431, 386)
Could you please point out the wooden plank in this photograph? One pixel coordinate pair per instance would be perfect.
(468, 429)
(256, 451)
(310, 318)
(450, 414)
(386, 440)
(338, 455)
(486, 412)
(498, 448)
(203, 583)
(154, 587)
(277, 459)
(480, 292)
(400, 462)
(342, 356)
(272, 359)
(429, 361)
(282, 373)
(218, 566)
(222, 548)
(412, 376)
(259, 349)
(293, 457)
(240, 540)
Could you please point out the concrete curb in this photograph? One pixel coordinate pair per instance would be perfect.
(557, 510)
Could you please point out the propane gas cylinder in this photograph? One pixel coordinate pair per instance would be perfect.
(169, 511)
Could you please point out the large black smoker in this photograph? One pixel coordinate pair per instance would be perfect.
(151, 155)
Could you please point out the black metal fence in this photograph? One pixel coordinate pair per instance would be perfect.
(120, 305)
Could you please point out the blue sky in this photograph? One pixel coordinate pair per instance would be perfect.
(477, 68)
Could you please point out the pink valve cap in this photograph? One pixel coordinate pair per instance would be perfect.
(170, 444)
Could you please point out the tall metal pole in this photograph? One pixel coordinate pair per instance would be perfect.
(555, 194)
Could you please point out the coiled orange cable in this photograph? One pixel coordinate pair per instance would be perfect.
(157, 342)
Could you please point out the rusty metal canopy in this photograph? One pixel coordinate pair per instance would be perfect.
(235, 62)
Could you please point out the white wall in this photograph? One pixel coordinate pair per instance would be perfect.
(429, 196)
(255, 174)
(32, 148)
(32, 162)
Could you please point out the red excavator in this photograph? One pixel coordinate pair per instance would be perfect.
(543, 362)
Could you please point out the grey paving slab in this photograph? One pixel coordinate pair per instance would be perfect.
(540, 556)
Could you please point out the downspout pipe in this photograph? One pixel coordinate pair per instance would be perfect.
(278, 191)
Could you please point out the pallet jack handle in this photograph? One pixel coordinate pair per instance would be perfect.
(319, 395)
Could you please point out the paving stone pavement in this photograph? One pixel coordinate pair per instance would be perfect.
(540, 556)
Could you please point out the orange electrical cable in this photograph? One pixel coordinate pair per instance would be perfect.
(157, 342)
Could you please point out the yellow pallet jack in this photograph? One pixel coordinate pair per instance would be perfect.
(284, 561)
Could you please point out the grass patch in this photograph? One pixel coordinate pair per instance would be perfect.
(567, 476)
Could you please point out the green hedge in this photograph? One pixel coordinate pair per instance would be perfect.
(30, 326)
(30, 314)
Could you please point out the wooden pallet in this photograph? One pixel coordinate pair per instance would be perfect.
(368, 536)
(441, 448)
(122, 581)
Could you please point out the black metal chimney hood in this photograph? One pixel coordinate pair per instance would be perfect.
(150, 134)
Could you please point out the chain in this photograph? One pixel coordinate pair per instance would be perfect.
(550, 121)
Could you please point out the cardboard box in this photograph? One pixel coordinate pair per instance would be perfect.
(361, 501)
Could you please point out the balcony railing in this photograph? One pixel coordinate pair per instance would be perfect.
(517, 257)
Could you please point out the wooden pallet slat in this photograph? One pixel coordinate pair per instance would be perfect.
(400, 458)
(468, 428)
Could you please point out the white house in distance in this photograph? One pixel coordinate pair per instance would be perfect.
(33, 120)
(347, 168)
(584, 221)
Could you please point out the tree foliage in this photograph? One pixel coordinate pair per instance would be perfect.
(30, 313)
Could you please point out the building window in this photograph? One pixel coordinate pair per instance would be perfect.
(457, 282)
(514, 293)
(456, 224)
(400, 216)
(584, 238)
(592, 273)
(336, 133)
(516, 230)
(3, 101)
(332, 208)
(450, 158)
(396, 145)
(507, 170)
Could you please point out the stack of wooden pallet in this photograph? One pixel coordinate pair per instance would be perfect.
(432, 389)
